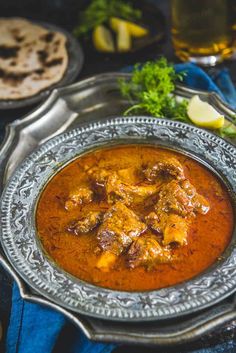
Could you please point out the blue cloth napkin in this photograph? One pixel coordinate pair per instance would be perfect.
(219, 81)
(35, 329)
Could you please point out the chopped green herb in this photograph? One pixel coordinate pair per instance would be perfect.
(99, 11)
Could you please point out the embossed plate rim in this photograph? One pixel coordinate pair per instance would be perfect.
(99, 297)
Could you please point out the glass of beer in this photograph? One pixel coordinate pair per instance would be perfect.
(201, 30)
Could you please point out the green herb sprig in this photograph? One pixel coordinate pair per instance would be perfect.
(99, 11)
(150, 90)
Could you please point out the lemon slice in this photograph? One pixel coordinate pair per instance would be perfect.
(102, 39)
(123, 38)
(203, 114)
(134, 29)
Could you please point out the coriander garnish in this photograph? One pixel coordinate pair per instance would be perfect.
(150, 90)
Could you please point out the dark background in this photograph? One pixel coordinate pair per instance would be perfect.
(64, 13)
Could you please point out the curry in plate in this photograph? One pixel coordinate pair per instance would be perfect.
(134, 217)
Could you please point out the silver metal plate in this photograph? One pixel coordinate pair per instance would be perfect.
(90, 100)
(19, 233)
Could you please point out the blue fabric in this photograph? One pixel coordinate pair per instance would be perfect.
(35, 329)
(219, 81)
(197, 78)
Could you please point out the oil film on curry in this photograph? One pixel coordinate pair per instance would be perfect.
(134, 217)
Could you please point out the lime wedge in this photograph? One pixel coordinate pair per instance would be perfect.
(102, 39)
(203, 114)
(134, 29)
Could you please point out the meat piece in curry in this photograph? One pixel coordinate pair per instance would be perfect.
(116, 189)
(180, 198)
(119, 185)
(86, 223)
(173, 227)
(177, 202)
(168, 167)
(79, 196)
(120, 227)
(134, 217)
(146, 251)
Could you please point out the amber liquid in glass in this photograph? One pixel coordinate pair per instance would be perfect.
(201, 30)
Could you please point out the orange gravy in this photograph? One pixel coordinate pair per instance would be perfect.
(208, 235)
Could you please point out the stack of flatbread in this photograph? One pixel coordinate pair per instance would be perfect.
(32, 58)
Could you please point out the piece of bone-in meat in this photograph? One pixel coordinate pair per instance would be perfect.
(175, 230)
(201, 205)
(117, 190)
(164, 167)
(87, 223)
(173, 198)
(177, 202)
(98, 179)
(112, 185)
(119, 228)
(146, 251)
(99, 175)
(77, 197)
(181, 198)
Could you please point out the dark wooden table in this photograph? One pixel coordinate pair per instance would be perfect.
(65, 13)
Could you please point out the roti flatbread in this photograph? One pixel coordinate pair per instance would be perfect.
(32, 58)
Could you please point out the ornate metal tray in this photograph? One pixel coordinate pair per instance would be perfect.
(94, 99)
